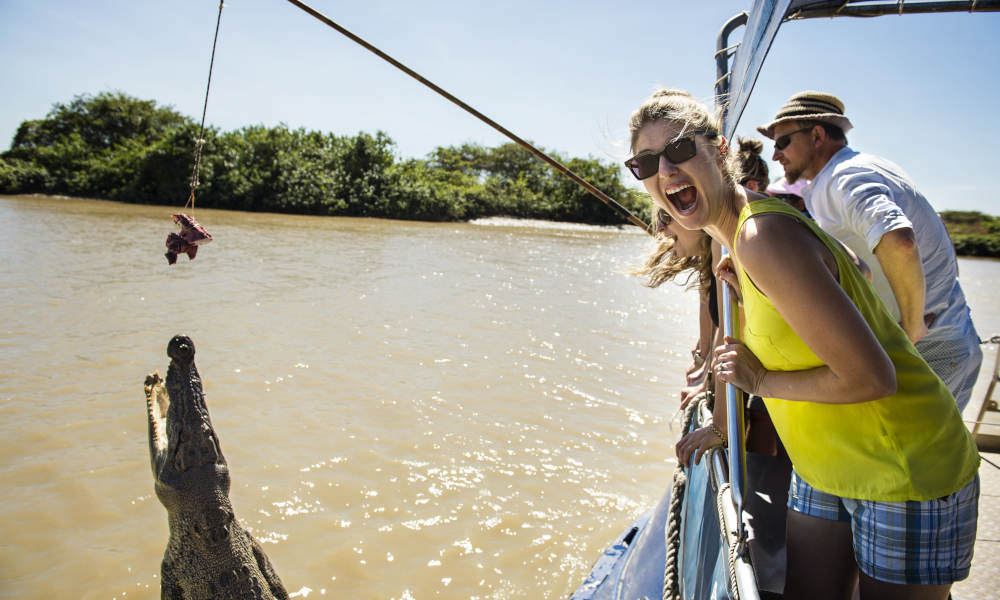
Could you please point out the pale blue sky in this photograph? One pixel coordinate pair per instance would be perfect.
(921, 90)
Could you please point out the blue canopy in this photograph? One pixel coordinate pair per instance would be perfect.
(762, 25)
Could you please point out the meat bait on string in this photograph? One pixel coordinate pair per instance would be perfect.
(192, 234)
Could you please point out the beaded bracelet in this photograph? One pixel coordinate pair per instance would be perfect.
(716, 431)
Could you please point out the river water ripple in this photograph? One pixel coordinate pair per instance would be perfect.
(409, 410)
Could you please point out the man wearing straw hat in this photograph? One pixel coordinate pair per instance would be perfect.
(874, 208)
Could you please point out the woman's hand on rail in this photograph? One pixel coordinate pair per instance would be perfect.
(697, 442)
(692, 391)
(736, 364)
(695, 373)
(726, 271)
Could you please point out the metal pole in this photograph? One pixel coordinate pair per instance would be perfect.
(735, 422)
(734, 402)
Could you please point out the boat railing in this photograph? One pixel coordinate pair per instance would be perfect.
(729, 468)
(988, 441)
(741, 579)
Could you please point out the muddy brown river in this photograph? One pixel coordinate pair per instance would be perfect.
(409, 410)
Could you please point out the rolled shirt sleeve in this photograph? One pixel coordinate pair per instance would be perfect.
(869, 208)
(858, 198)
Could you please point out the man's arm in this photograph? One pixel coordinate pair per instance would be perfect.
(871, 210)
(899, 257)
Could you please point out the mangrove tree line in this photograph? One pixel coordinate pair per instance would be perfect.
(118, 147)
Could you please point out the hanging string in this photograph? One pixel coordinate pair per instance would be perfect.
(204, 110)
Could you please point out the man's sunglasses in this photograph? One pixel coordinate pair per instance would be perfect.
(646, 164)
(780, 143)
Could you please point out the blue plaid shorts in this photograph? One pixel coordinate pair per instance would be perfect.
(902, 542)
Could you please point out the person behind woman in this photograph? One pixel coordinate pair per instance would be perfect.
(884, 471)
(790, 193)
(680, 251)
(751, 169)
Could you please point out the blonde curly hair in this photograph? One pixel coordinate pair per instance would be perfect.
(663, 264)
(679, 107)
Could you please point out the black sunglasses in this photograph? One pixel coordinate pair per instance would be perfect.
(661, 219)
(646, 164)
(780, 143)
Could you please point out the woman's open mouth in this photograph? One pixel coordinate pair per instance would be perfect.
(684, 198)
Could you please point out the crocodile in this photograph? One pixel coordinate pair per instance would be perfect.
(209, 554)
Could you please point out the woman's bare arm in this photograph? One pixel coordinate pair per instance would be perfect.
(798, 274)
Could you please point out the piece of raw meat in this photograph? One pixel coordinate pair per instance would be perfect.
(191, 235)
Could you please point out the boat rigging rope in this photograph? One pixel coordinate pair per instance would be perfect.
(538, 153)
(200, 142)
(734, 546)
(672, 535)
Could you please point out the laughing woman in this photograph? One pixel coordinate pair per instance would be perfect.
(884, 469)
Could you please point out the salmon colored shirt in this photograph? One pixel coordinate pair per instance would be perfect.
(908, 446)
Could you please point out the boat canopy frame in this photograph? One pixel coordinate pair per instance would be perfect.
(735, 80)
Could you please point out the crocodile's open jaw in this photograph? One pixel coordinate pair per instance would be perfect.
(209, 553)
(191, 438)
(181, 434)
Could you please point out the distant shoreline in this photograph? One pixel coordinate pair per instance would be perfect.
(974, 234)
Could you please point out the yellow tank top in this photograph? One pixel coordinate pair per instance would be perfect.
(909, 446)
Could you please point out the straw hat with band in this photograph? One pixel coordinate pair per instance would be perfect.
(810, 106)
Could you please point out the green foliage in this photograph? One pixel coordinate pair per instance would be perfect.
(160, 172)
(973, 233)
(23, 177)
(419, 191)
(958, 218)
(122, 148)
(977, 245)
(89, 147)
(102, 122)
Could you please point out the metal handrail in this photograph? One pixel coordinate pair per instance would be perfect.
(989, 390)
(735, 424)
(722, 56)
(734, 403)
(895, 7)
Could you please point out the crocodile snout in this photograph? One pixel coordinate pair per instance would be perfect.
(181, 349)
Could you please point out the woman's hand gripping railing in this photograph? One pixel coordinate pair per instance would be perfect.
(735, 423)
